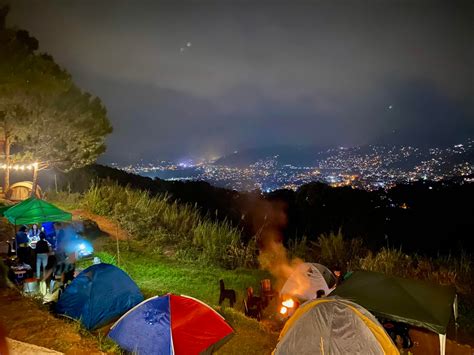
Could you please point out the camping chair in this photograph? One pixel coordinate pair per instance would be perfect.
(253, 305)
(266, 291)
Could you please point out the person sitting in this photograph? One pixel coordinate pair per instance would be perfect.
(21, 240)
(42, 251)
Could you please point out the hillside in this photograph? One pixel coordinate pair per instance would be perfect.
(424, 217)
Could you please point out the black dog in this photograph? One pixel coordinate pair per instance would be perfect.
(229, 294)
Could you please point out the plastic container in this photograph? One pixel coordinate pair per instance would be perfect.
(30, 286)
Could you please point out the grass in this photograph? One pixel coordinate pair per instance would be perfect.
(157, 275)
(165, 223)
(204, 250)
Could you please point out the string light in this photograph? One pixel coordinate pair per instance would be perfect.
(20, 166)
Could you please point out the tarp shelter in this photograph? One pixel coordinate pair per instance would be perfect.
(34, 210)
(334, 326)
(307, 279)
(21, 191)
(171, 324)
(98, 295)
(419, 303)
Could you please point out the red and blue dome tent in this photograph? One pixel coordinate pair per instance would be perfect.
(171, 324)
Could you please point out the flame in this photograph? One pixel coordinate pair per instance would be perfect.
(283, 310)
(289, 303)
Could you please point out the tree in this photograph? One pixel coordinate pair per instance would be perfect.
(69, 132)
(42, 113)
(25, 78)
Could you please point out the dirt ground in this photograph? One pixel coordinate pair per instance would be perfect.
(426, 342)
(27, 321)
(16, 347)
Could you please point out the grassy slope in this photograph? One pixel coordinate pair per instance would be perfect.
(157, 275)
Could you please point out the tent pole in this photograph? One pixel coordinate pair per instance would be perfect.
(16, 244)
(455, 310)
(442, 344)
(118, 247)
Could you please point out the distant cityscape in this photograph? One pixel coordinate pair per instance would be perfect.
(369, 167)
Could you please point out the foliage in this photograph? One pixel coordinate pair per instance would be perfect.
(72, 127)
(442, 270)
(171, 224)
(337, 252)
(301, 248)
(44, 117)
(64, 199)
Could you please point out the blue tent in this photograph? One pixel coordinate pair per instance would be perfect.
(98, 295)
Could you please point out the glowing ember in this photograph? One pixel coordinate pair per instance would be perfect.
(288, 303)
(283, 310)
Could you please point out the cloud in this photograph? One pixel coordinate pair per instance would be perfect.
(260, 73)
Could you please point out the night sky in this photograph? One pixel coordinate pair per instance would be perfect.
(202, 78)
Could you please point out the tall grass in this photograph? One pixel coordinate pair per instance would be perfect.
(442, 270)
(171, 224)
(337, 252)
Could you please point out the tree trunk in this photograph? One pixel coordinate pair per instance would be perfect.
(6, 180)
(35, 181)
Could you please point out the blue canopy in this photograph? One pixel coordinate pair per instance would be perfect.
(98, 295)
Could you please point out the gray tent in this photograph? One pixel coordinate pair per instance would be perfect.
(334, 326)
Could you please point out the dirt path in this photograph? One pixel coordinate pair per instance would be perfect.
(104, 223)
(26, 321)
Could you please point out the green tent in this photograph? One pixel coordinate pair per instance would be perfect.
(419, 303)
(34, 210)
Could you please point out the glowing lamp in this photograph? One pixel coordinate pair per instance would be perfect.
(82, 247)
(288, 303)
(283, 310)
